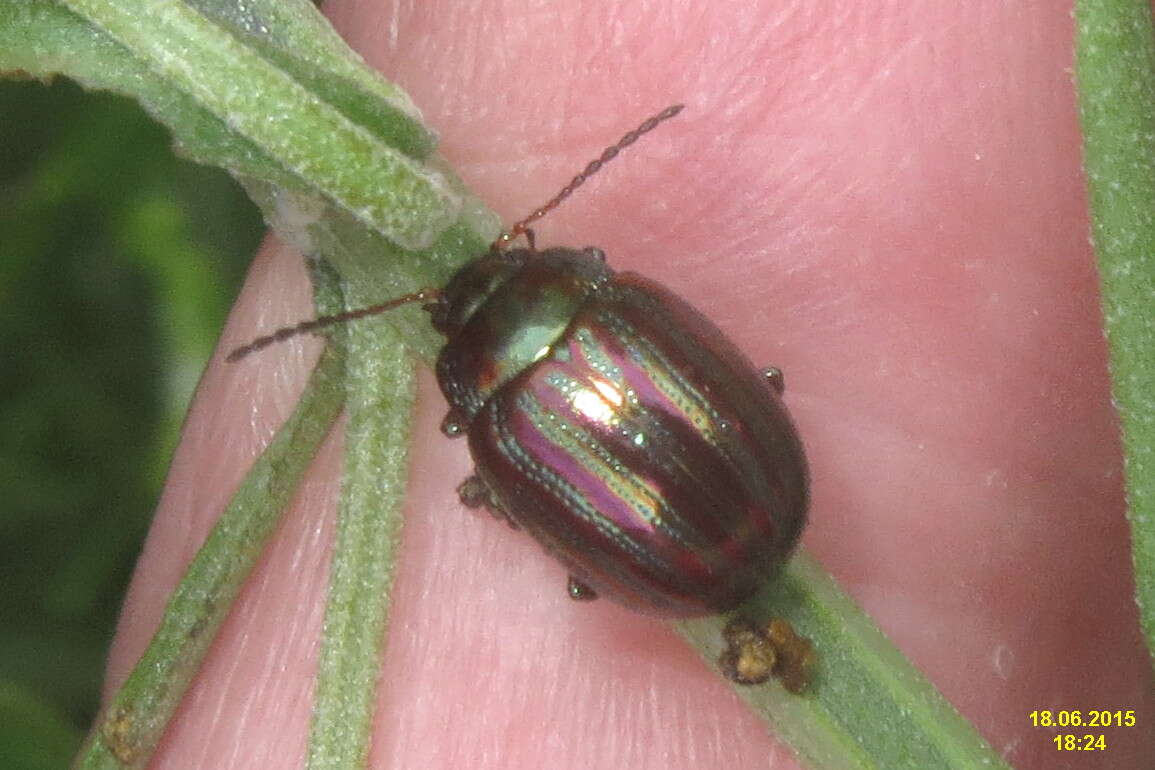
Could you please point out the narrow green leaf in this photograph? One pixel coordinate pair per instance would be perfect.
(867, 707)
(296, 27)
(44, 39)
(378, 405)
(250, 102)
(267, 106)
(1115, 59)
(132, 723)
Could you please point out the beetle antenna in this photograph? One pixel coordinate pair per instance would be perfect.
(313, 324)
(521, 227)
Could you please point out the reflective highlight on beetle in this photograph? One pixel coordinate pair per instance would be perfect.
(619, 427)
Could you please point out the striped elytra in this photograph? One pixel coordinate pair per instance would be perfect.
(619, 427)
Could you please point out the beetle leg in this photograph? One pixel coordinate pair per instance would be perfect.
(579, 591)
(774, 379)
(474, 494)
(454, 425)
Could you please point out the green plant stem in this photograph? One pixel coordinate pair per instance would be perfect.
(1115, 59)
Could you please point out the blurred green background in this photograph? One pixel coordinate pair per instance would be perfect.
(118, 263)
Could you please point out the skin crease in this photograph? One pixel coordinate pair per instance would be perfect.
(884, 200)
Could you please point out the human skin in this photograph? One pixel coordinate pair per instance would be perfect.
(886, 201)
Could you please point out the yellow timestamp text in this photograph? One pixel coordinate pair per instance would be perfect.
(1086, 742)
(1078, 729)
(1090, 718)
